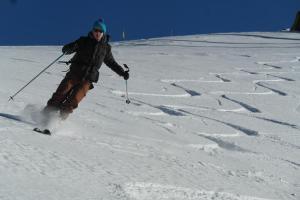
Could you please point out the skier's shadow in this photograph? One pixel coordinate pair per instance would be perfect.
(15, 118)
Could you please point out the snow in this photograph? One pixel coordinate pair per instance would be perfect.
(211, 117)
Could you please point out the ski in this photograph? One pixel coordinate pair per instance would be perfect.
(42, 131)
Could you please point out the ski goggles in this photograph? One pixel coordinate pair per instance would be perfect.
(98, 30)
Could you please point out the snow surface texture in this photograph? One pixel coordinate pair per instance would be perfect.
(211, 117)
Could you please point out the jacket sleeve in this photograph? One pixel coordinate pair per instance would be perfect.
(111, 63)
(71, 47)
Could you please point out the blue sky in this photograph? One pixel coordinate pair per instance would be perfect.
(55, 22)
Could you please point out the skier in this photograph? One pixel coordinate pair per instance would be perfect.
(90, 52)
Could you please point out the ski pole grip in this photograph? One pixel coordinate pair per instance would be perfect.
(127, 68)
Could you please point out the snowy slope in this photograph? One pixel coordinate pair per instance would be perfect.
(211, 117)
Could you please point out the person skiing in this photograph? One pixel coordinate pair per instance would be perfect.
(90, 52)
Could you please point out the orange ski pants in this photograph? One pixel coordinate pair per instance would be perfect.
(69, 93)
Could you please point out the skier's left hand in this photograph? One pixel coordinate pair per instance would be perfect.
(126, 75)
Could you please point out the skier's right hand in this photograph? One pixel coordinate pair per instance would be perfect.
(70, 48)
(64, 50)
(67, 50)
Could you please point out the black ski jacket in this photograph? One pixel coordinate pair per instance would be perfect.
(89, 56)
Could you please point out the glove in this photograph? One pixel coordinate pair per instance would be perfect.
(69, 48)
(65, 50)
(126, 75)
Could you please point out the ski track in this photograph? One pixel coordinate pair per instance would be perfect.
(244, 130)
(241, 93)
(279, 61)
(294, 126)
(190, 92)
(203, 108)
(249, 72)
(152, 94)
(244, 105)
(283, 78)
(225, 145)
(16, 118)
(272, 66)
(272, 89)
(223, 79)
(190, 80)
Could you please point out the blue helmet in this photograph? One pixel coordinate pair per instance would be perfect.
(99, 24)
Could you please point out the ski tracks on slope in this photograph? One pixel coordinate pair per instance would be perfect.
(183, 111)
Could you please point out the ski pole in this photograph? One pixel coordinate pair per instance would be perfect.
(12, 97)
(127, 99)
